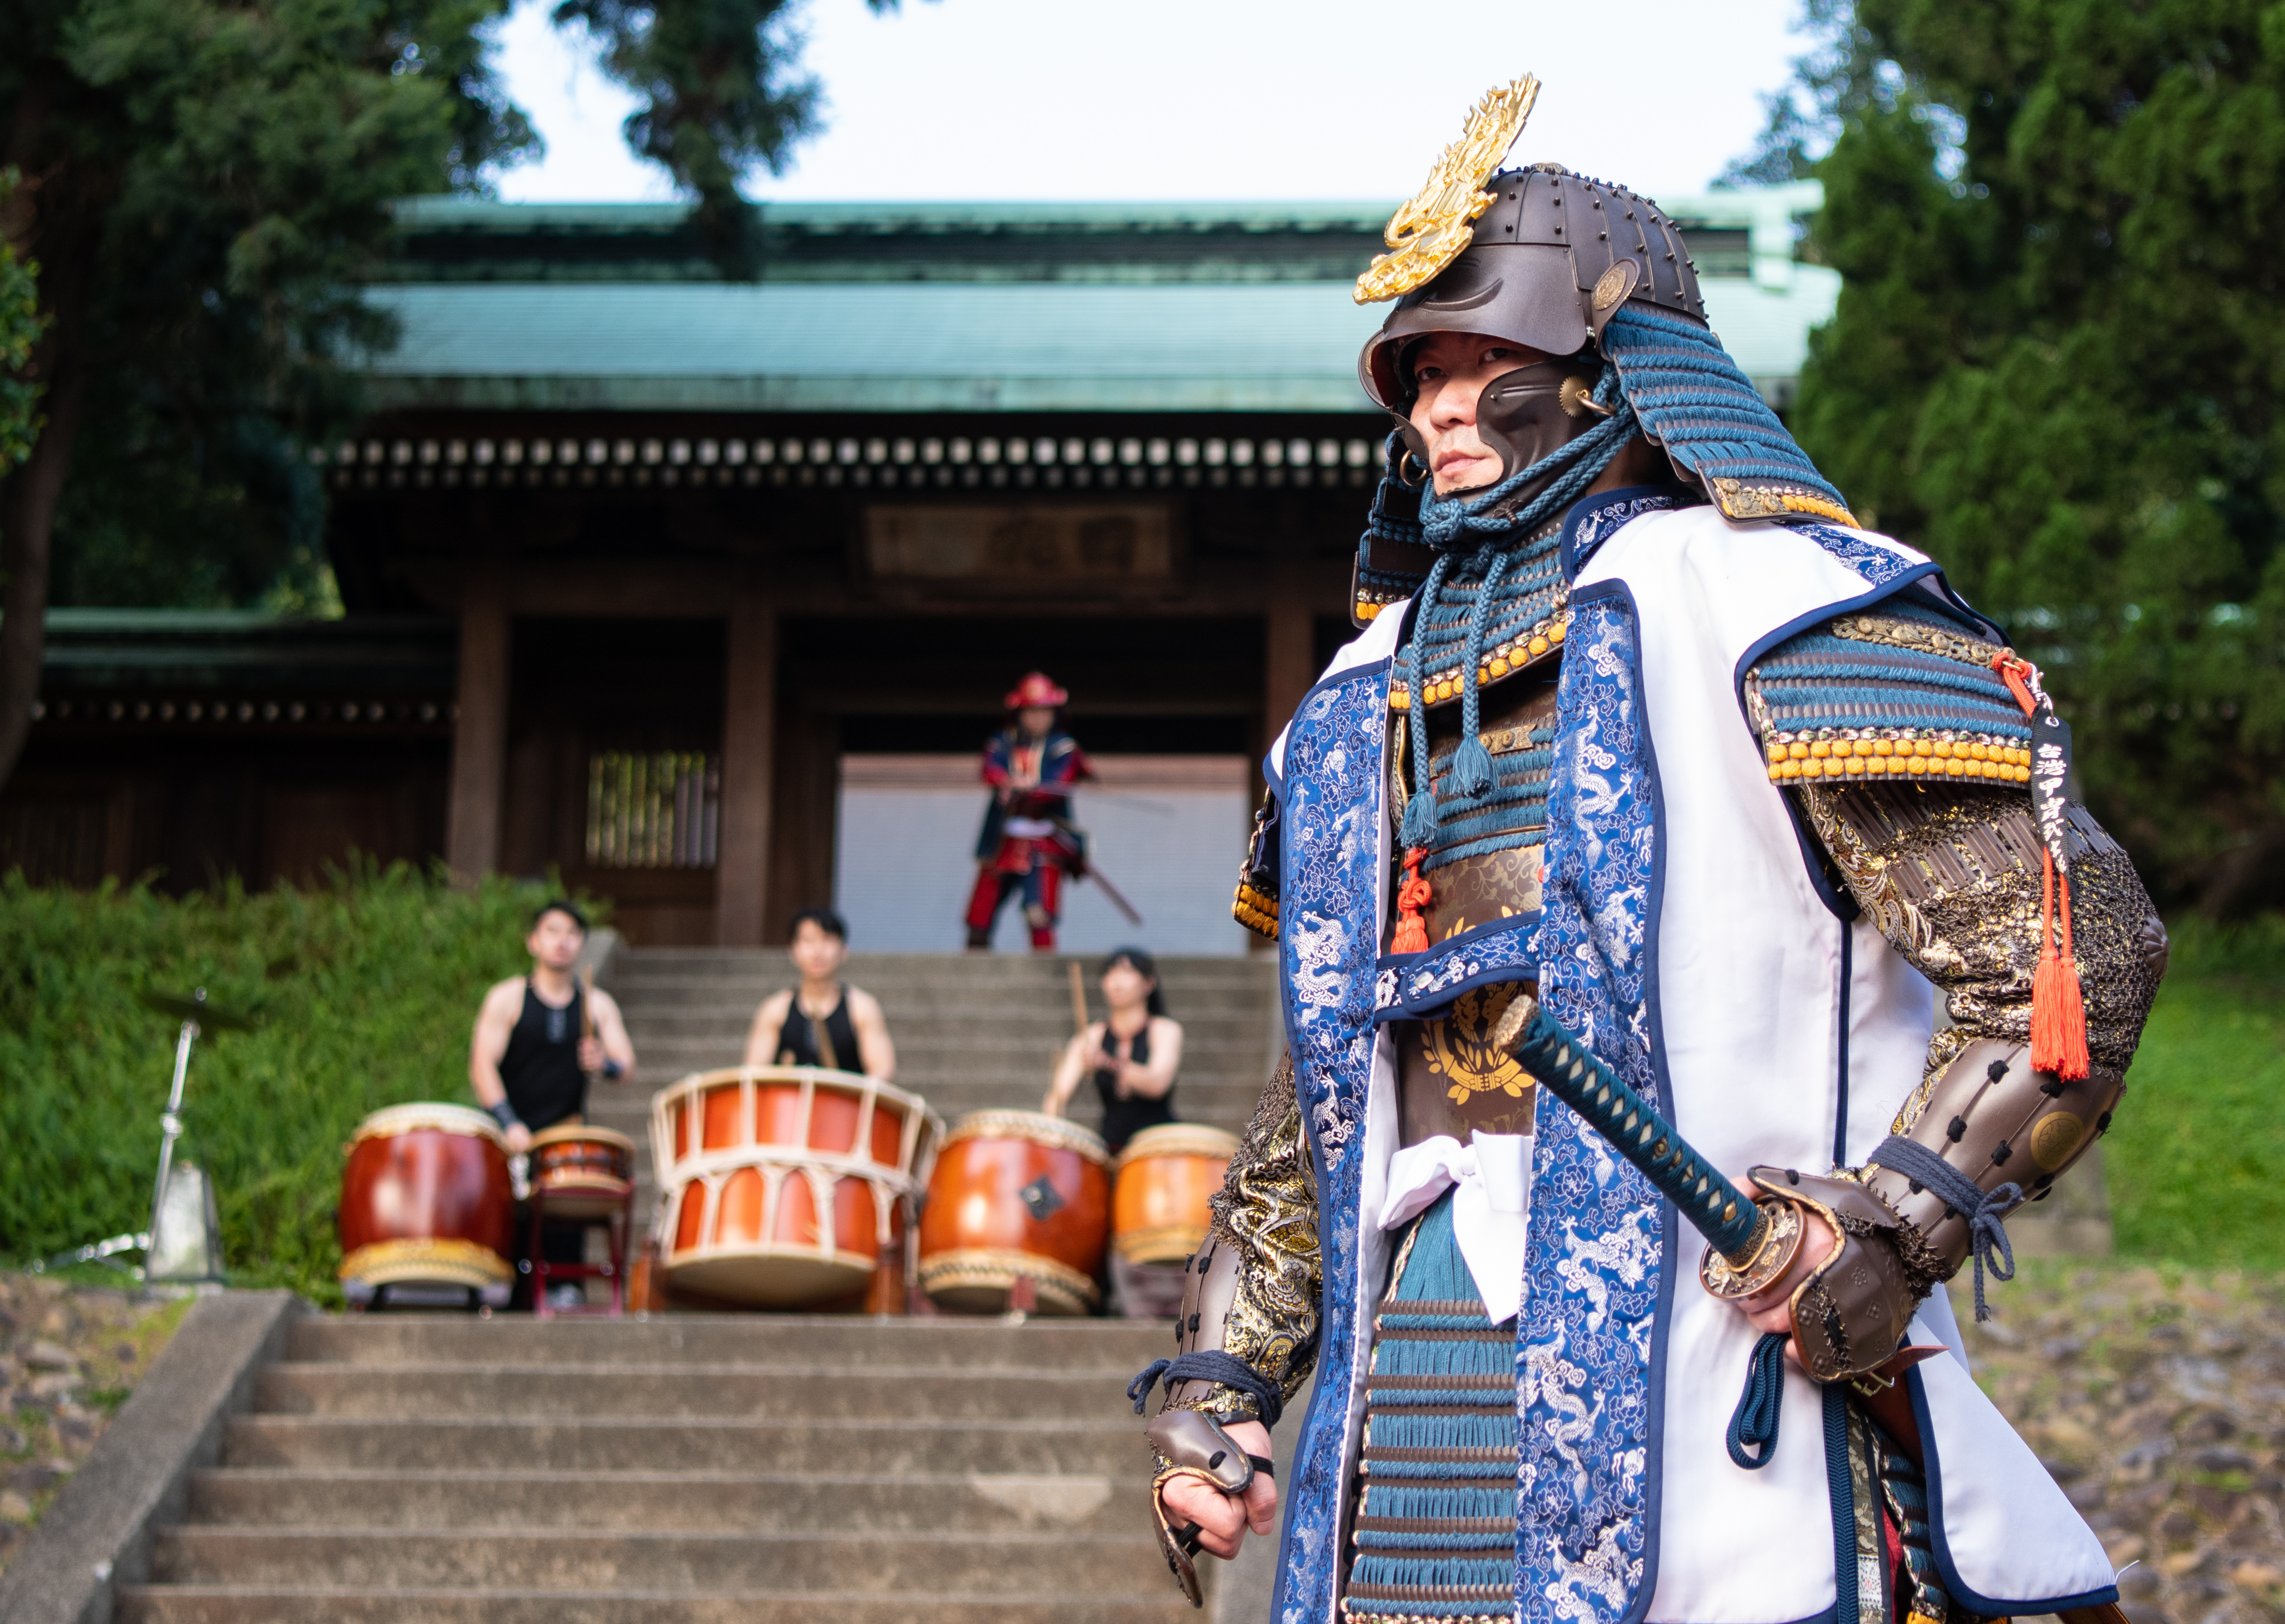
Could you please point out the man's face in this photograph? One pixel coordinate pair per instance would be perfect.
(1036, 719)
(817, 953)
(555, 941)
(1450, 370)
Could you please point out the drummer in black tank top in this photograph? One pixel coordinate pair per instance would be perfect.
(821, 1023)
(1133, 1054)
(533, 1051)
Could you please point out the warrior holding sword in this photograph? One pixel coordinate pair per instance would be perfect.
(1619, 1162)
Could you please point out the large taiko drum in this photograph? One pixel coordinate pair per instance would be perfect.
(582, 1172)
(785, 1185)
(1163, 1184)
(427, 1202)
(1016, 1196)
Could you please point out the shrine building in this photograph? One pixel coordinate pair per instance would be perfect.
(703, 593)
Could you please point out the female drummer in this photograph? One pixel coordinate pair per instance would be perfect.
(1133, 1054)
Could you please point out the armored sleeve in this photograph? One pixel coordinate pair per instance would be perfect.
(1910, 761)
(1254, 1287)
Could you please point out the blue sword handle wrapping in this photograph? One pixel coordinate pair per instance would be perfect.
(1717, 1209)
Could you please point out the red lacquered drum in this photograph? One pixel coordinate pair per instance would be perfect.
(583, 1172)
(784, 1185)
(1164, 1181)
(426, 1202)
(1016, 1196)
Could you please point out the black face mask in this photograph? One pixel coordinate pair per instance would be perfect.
(1528, 414)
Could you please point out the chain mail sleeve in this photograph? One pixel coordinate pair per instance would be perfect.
(1255, 1287)
(1907, 757)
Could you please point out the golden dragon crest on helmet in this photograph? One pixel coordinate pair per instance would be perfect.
(1433, 230)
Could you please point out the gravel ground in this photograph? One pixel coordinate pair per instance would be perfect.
(2157, 1399)
(69, 1355)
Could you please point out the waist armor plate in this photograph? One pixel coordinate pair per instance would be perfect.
(1483, 866)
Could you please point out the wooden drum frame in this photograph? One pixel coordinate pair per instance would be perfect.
(583, 1172)
(1165, 1179)
(740, 1216)
(1016, 1197)
(427, 1201)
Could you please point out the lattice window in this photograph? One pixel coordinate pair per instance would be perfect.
(653, 809)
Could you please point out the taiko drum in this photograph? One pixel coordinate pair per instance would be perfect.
(1016, 1196)
(1162, 1190)
(785, 1185)
(583, 1172)
(426, 1201)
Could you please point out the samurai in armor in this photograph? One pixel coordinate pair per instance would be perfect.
(1642, 725)
(1028, 841)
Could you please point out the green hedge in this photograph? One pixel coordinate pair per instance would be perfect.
(2196, 1158)
(365, 992)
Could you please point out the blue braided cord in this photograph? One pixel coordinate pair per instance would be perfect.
(1487, 1608)
(1420, 812)
(1753, 1424)
(1472, 763)
(1431, 1322)
(1840, 1484)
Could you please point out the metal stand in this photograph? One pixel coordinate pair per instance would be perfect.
(170, 1120)
(170, 1124)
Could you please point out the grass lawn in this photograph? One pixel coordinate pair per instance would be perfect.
(2196, 1157)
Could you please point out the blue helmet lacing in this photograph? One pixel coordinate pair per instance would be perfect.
(1500, 540)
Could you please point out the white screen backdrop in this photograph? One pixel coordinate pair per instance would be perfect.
(1169, 830)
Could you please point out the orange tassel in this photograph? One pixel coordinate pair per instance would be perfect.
(1411, 896)
(2058, 1007)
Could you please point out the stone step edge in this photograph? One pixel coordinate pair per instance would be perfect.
(651, 1368)
(622, 1477)
(147, 1593)
(220, 1533)
(573, 1424)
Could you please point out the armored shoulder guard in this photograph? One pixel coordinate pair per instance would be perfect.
(1901, 690)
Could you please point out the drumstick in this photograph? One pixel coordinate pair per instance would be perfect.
(1078, 1001)
(587, 1010)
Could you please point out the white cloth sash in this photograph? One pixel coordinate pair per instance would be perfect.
(1492, 1175)
(1028, 829)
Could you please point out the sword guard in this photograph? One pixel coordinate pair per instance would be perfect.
(1777, 1241)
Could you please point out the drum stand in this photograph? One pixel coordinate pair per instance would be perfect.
(621, 1227)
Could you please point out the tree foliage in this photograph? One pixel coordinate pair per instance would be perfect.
(2056, 364)
(206, 184)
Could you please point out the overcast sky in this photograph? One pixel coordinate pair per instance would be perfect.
(1173, 100)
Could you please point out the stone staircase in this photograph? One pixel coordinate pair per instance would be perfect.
(972, 1033)
(769, 1470)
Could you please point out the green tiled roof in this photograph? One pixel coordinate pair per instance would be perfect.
(998, 308)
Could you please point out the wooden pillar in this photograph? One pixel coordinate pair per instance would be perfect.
(472, 830)
(1289, 646)
(741, 863)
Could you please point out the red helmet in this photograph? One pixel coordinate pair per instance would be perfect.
(1036, 689)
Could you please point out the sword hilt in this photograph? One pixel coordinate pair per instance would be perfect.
(1717, 1209)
